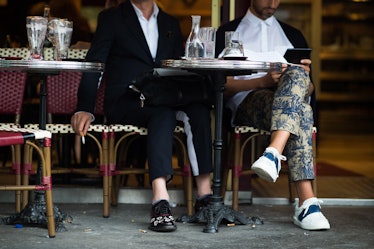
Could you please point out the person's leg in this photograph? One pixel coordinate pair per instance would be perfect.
(291, 121)
(160, 122)
(159, 148)
(304, 190)
(290, 117)
(159, 189)
(279, 140)
(308, 213)
(203, 185)
(204, 192)
(299, 153)
(197, 120)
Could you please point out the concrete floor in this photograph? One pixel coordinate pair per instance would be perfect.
(351, 227)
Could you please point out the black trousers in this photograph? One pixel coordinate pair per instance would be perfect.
(160, 122)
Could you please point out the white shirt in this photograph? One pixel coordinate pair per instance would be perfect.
(251, 35)
(150, 28)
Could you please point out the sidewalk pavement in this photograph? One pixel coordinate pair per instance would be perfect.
(351, 227)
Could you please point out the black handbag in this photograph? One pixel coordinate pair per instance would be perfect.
(172, 87)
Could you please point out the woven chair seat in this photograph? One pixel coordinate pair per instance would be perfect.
(137, 129)
(246, 129)
(23, 53)
(12, 136)
(67, 129)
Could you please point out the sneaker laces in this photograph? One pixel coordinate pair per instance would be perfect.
(275, 153)
(309, 202)
(163, 209)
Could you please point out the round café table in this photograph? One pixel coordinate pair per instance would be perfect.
(33, 211)
(218, 70)
(45, 68)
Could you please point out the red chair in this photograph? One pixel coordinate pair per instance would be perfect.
(29, 138)
(62, 100)
(128, 134)
(11, 99)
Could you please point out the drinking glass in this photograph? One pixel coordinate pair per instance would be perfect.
(59, 34)
(36, 27)
(233, 45)
(208, 38)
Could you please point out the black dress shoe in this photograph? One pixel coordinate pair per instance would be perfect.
(202, 203)
(161, 218)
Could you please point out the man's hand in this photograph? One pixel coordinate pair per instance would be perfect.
(271, 79)
(80, 122)
(305, 63)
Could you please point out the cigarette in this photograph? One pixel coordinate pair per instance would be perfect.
(83, 138)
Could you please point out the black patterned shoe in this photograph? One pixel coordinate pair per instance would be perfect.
(161, 218)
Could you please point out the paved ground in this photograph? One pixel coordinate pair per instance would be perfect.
(352, 227)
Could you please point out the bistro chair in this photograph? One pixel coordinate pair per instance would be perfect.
(15, 53)
(30, 138)
(61, 101)
(121, 137)
(11, 99)
(126, 135)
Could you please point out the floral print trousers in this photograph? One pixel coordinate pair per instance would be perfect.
(285, 108)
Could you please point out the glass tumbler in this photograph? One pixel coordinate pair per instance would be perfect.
(59, 33)
(36, 27)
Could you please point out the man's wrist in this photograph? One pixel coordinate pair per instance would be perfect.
(92, 116)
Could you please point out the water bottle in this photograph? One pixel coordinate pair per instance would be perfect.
(194, 46)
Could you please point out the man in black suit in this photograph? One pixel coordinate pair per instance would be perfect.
(132, 39)
(278, 102)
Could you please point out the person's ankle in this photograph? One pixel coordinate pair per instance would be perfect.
(154, 202)
(203, 196)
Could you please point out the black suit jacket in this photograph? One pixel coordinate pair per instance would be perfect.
(119, 42)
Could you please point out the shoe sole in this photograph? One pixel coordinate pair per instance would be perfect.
(163, 228)
(314, 228)
(263, 173)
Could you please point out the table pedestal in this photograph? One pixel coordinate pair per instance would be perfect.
(35, 214)
(35, 211)
(216, 211)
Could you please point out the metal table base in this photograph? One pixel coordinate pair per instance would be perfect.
(35, 211)
(218, 70)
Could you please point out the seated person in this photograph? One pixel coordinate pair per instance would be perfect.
(132, 39)
(277, 102)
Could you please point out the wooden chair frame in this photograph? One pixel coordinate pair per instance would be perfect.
(129, 133)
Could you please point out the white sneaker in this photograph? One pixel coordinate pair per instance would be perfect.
(309, 215)
(269, 164)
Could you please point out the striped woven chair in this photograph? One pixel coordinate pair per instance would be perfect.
(127, 135)
(30, 138)
(62, 100)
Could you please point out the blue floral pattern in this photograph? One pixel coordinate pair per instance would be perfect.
(285, 108)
